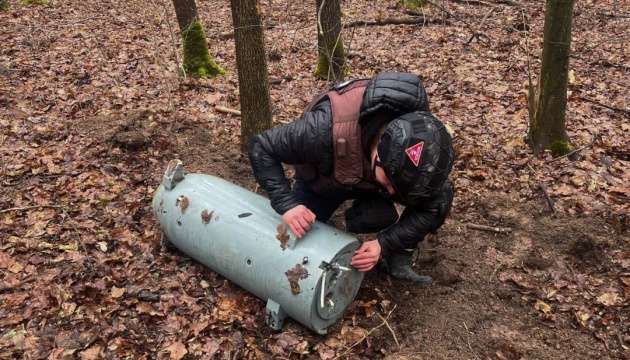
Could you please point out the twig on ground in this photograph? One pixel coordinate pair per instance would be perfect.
(488, 228)
(478, 34)
(227, 110)
(625, 111)
(368, 334)
(597, 137)
(390, 329)
(549, 199)
(199, 86)
(30, 208)
(76, 231)
(449, 14)
(476, 2)
(542, 187)
(507, 2)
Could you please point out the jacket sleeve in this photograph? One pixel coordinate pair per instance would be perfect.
(304, 141)
(416, 222)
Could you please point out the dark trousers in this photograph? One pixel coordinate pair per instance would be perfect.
(322, 206)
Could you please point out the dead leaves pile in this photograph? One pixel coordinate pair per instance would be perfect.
(81, 270)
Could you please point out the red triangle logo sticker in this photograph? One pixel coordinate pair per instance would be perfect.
(414, 152)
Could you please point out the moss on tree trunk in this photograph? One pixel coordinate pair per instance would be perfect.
(547, 106)
(331, 59)
(327, 67)
(197, 61)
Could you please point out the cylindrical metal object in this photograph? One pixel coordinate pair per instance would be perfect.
(237, 234)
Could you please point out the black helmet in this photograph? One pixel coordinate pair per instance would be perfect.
(417, 155)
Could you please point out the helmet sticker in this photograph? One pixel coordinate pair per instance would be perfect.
(414, 152)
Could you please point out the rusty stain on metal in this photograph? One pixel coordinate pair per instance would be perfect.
(294, 275)
(183, 203)
(206, 216)
(282, 236)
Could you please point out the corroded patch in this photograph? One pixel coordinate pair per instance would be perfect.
(294, 275)
(206, 216)
(282, 236)
(183, 203)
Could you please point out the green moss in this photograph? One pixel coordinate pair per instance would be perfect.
(4, 6)
(33, 2)
(197, 60)
(559, 148)
(413, 4)
(323, 70)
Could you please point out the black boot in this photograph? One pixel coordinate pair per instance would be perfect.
(399, 267)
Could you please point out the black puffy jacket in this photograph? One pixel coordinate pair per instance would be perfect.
(309, 141)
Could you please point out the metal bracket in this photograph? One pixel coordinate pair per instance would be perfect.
(174, 173)
(275, 315)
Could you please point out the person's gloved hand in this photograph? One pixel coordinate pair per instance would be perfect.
(299, 219)
(366, 256)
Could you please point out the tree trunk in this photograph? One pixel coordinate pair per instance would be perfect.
(331, 61)
(186, 12)
(251, 63)
(548, 102)
(197, 60)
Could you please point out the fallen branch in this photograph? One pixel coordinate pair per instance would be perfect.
(488, 228)
(478, 34)
(549, 199)
(475, 2)
(625, 111)
(227, 110)
(390, 21)
(198, 86)
(507, 2)
(448, 13)
(280, 80)
(597, 137)
(26, 280)
(30, 208)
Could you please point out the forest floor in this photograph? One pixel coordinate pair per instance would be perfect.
(92, 109)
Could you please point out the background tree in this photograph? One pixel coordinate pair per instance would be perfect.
(197, 60)
(251, 63)
(331, 61)
(548, 102)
